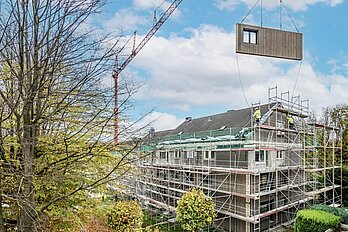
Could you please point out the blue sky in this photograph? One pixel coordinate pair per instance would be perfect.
(189, 67)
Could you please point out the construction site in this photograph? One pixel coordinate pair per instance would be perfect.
(259, 171)
(84, 84)
(258, 174)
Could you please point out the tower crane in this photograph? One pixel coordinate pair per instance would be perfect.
(120, 67)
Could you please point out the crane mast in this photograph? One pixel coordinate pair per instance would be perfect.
(135, 51)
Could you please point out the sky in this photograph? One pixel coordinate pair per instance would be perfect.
(190, 68)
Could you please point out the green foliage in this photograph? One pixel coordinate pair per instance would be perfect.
(195, 210)
(310, 220)
(125, 216)
(338, 179)
(56, 177)
(60, 217)
(344, 184)
(340, 212)
(56, 116)
(151, 219)
(338, 115)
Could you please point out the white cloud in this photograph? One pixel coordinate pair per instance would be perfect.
(160, 121)
(201, 70)
(147, 4)
(124, 20)
(271, 4)
(339, 64)
(227, 4)
(335, 2)
(128, 20)
(159, 5)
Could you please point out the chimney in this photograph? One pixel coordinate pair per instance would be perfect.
(152, 132)
(188, 119)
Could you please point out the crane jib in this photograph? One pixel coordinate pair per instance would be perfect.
(151, 33)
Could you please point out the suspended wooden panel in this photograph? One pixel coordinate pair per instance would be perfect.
(263, 41)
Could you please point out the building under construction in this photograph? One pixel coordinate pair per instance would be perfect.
(258, 174)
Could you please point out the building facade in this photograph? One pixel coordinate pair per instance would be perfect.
(259, 175)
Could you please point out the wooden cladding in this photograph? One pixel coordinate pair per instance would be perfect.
(262, 41)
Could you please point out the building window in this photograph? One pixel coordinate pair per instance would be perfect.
(280, 154)
(250, 36)
(206, 154)
(206, 179)
(162, 155)
(212, 155)
(161, 175)
(190, 154)
(175, 175)
(177, 154)
(189, 177)
(260, 156)
(171, 154)
(199, 154)
(209, 155)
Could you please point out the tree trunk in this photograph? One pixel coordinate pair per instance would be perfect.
(2, 226)
(27, 217)
(2, 156)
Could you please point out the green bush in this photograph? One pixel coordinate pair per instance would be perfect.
(195, 210)
(125, 216)
(310, 220)
(341, 212)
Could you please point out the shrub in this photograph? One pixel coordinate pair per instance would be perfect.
(341, 212)
(310, 220)
(125, 216)
(195, 210)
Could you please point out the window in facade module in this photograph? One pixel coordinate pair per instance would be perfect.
(178, 154)
(192, 178)
(212, 155)
(199, 154)
(280, 154)
(249, 36)
(189, 177)
(175, 175)
(163, 155)
(171, 154)
(209, 155)
(206, 154)
(260, 156)
(206, 179)
(161, 175)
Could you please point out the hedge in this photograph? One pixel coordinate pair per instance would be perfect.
(310, 220)
(341, 212)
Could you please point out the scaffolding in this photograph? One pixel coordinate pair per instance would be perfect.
(258, 175)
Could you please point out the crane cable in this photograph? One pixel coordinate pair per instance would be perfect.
(280, 15)
(250, 11)
(281, 4)
(287, 12)
(241, 82)
(297, 78)
(237, 59)
(261, 9)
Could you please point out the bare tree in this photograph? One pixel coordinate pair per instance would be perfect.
(56, 115)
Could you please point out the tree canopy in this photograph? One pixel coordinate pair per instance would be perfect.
(56, 119)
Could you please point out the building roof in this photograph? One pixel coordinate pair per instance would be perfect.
(231, 119)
